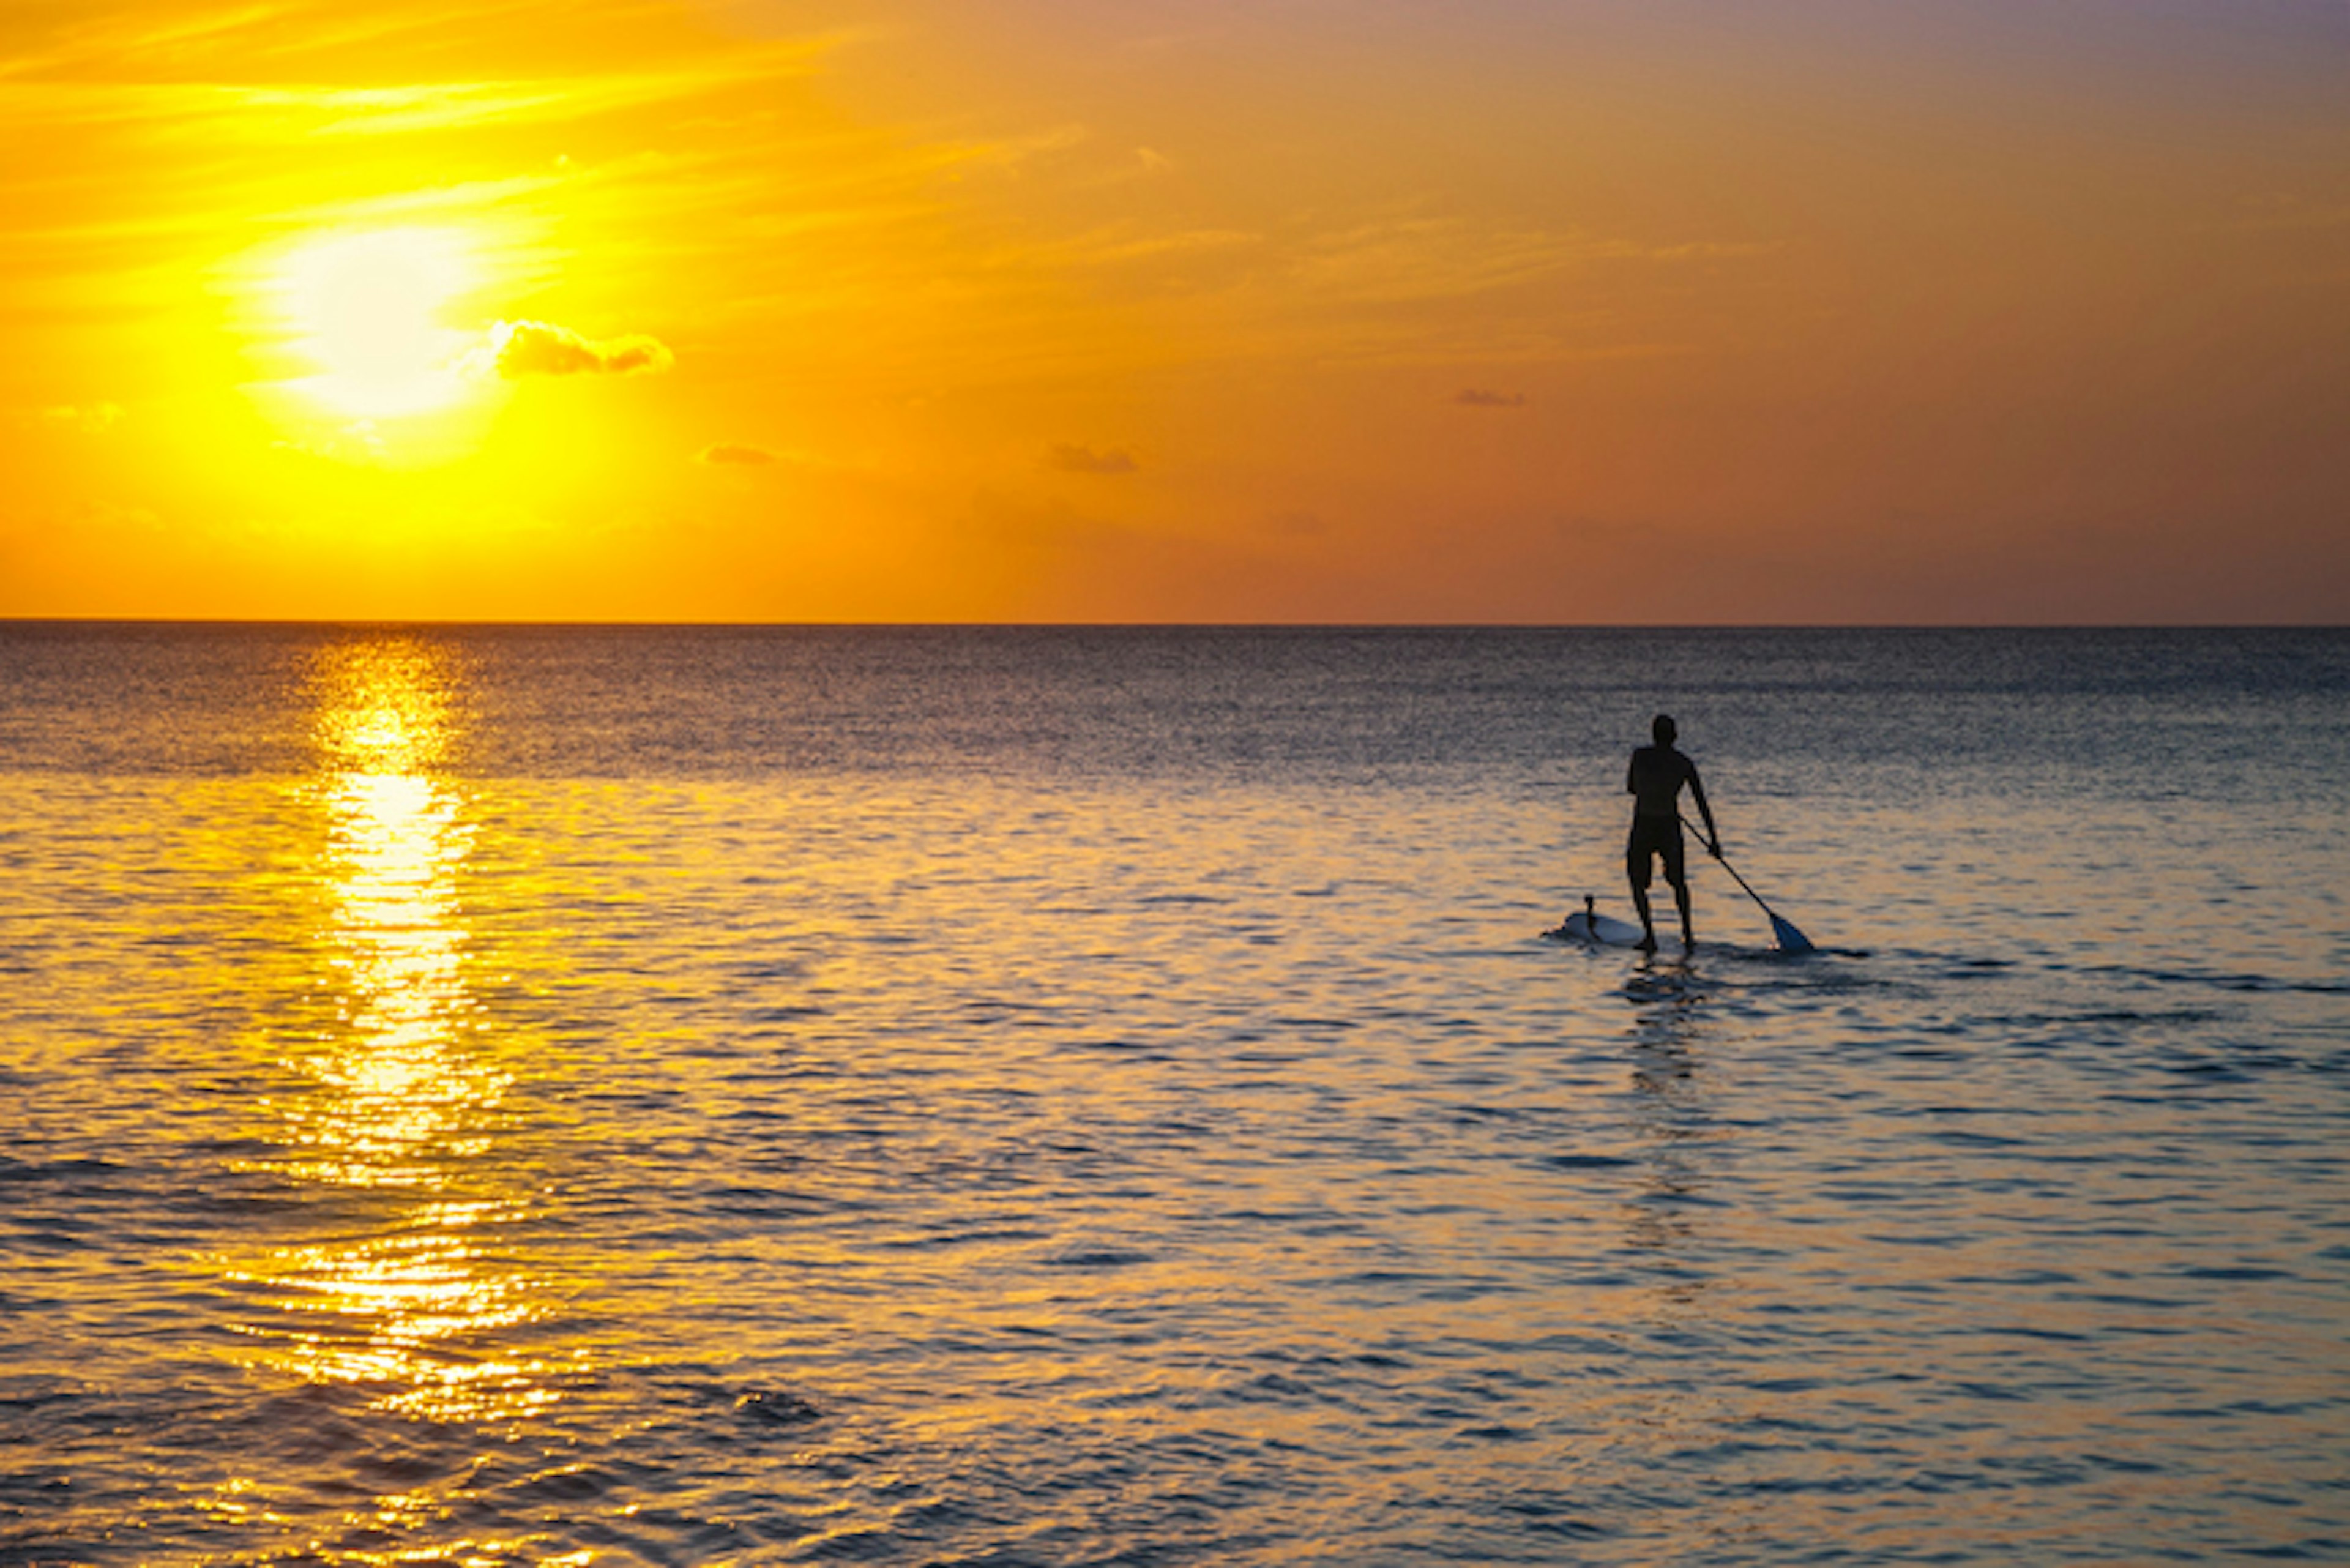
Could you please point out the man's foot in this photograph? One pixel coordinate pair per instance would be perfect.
(1648, 944)
(1689, 943)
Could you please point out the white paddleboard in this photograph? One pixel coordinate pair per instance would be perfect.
(1605, 929)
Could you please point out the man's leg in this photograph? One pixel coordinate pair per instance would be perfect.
(1677, 873)
(1636, 871)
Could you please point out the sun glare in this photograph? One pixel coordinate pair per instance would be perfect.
(369, 310)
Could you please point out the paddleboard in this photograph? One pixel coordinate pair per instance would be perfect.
(1605, 929)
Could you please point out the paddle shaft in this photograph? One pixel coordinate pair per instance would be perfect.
(1715, 840)
(1791, 939)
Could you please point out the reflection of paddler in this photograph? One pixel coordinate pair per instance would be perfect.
(1655, 781)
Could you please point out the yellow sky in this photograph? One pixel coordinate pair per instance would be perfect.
(1684, 310)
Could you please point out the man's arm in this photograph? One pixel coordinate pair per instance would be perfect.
(1697, 793)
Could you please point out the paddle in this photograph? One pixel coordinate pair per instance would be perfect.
(1791, 940)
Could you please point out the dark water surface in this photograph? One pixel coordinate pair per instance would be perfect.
(925, 1096)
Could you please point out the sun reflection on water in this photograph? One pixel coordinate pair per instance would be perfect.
(403, 1103)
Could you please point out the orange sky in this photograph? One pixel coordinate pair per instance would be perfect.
(1298, 310)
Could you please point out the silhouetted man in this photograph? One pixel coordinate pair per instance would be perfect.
(1654, 782)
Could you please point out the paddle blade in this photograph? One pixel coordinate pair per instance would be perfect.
(1791, 940)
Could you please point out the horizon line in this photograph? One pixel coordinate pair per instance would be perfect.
(486, 623)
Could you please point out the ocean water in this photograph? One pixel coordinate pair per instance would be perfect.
(570, 1096)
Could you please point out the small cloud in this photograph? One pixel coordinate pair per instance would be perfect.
(1073, 459)
(518, 348)
(89, 418)
(1049, 525)
(1153, 163)
(359, 442)
(734, 453)
(1478, 398)
(1295, 524)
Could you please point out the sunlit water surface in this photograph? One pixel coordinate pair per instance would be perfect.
(696, 1096)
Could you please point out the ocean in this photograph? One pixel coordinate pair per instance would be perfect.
(706, 1096)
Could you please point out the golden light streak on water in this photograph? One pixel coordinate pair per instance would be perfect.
(403, 1098)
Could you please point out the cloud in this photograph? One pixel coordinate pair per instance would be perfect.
(519, 348)
(734, 452)
(1072, 459)
(1478, 398)
(89, 418)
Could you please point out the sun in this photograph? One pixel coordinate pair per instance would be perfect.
(369, 310)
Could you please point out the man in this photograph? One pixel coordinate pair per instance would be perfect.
(1654, 781)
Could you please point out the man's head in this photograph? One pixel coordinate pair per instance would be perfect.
(1664, 729)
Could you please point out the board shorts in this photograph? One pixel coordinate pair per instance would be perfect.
(1654, 836)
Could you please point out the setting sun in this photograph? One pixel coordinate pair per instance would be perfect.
(369, 310)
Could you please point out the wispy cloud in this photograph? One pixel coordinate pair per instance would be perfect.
(230, 75)
(272, 112)
(518, 348)
(1424, 261)
(727, 453)
(1073, 459)
(1479, 398)
(88, 419)
(1428, 258)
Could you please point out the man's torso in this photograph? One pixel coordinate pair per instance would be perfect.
(1658, 775)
